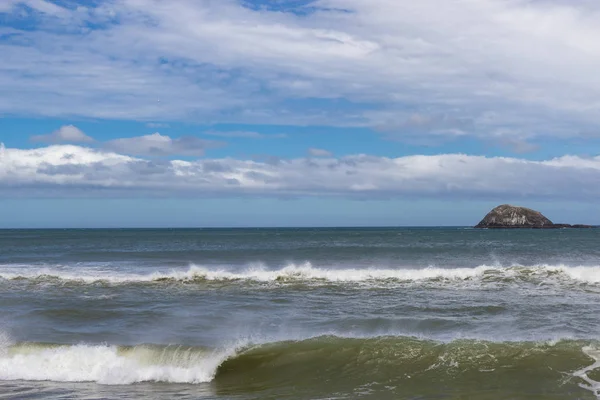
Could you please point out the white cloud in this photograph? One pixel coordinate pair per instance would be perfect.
(65, 169)
(162, 145)
(319, 152)
(518, 69)
(246, 134)
(64, 134)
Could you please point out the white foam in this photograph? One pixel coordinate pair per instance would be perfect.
(591, 385)
(306, 272)
(582, 274)
(108, 365)
(77, 274)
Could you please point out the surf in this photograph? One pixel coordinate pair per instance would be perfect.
(109, 364)
(306, 273)
(406, 364)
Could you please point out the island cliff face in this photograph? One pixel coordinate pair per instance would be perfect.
(507, 216)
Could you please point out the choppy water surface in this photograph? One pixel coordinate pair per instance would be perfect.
(417, 313)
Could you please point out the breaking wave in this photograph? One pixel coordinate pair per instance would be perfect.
(109, 364)
(307, 274)
(337, 362)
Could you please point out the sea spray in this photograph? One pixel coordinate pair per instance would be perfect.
(109, 364)
(307, 273)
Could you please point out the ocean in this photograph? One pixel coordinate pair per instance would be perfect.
(346, 313)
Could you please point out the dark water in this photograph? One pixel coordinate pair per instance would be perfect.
(417, 313)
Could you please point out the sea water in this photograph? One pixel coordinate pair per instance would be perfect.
(373, 313)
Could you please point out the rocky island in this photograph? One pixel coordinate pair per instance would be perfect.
(507, 216)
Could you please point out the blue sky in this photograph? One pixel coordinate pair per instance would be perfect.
(296, 112)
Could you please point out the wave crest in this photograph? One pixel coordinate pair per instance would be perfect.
(306, 273)
(110, 364)
(399, 361)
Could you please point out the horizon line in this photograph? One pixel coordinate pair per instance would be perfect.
(238, 227)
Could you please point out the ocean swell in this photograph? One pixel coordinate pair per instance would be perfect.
(308, 274)
(339, 363)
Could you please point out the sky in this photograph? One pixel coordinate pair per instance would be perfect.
(207, 113)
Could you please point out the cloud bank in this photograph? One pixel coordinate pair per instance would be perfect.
(506, 71)
(63, 170)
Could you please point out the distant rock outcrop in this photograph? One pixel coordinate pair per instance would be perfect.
(507, 216)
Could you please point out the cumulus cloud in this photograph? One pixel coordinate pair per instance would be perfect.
(64, 134)
(246, 134)
(319, 152)
(162, 145)
(477, 68)
(67, 168)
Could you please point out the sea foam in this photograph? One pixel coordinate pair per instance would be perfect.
(590, 384)
(307, 273)
(111, 365)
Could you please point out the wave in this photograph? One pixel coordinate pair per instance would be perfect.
(105, 364)
(307, 274)
(333, 361)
